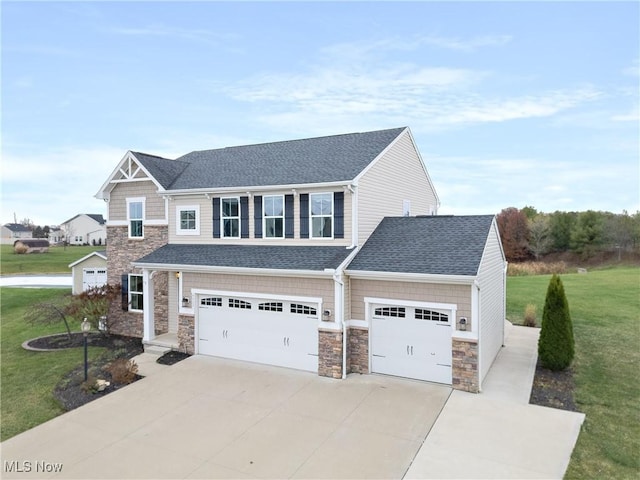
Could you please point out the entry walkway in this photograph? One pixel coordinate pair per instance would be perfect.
(498, 434)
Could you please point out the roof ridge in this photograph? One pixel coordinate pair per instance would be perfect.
(233, 147)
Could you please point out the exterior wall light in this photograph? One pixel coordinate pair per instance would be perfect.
(463, 324)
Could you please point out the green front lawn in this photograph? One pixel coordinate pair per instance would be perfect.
(605, 309)
(28, 378)
(56, 260)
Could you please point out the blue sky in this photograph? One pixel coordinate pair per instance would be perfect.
(510, 104)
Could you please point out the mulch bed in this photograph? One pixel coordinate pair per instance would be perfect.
(71, 392)
(553, 389)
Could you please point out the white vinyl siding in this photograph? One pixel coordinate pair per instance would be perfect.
(396, 180)
(492, 294)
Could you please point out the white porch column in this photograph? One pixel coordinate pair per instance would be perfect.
(148, 332)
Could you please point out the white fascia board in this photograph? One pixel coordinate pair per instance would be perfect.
(263, 272)
(102, 193)
(257, 188)
(380, 155)
(104, 257)
(411, 277)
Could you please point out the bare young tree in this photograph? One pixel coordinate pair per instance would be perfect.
(539, 236)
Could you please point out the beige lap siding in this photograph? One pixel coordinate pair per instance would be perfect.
(285, 286)
(154, 203)
(459, 295)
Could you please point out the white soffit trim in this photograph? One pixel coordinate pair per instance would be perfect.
(129, 156)
(411, 277)
(243, 190)
(259, 296)
(262, 272)
(104, 257)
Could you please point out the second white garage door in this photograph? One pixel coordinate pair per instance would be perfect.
(413, 342)
(261, 330)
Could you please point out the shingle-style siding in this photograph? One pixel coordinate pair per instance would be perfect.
(491, 279)
(154, 204)
(304, 287)
(397, 176)
(459, 295)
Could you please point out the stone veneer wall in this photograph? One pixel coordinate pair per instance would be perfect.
(358, 350)
(121, 251)
(186, 333)
(330, 353)
(161, 302)
(465, 365)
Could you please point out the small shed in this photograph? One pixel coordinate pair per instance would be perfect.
(88, 272)
(31, 245)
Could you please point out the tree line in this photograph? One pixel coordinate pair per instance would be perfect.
(527, 234)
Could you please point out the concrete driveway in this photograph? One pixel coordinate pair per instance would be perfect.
(212, 418)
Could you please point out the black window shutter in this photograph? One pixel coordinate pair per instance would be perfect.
(216, 217)
(338, 214)
(257, 215)
(244, 217)
(288, 216)
(124, 282)
(304, 215)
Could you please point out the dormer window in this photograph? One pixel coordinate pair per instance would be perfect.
(321, 213)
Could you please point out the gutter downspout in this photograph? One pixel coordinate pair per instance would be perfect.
(338, 275)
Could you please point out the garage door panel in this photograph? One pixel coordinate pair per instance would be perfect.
(411, 345)
(265, 333)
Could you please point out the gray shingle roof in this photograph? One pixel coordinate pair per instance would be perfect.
(313, 160)
(278, 257)
(165, 171)
(437, 245)
(17, 227)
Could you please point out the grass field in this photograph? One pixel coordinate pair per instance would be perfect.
(605, 308)
(57, 260)
(28, 378)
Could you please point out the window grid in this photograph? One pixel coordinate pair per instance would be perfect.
(321, 214)
(235, 303)
(398, 312)
(135, 292)
(230, 217)
(303, 309)
(423, 314)
(273, 208)
(270, 306)
(211, 301)
(136, 217)
(187, 220)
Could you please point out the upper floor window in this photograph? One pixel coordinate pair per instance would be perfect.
(135, 217)
(321, 213)
(188, 220)
(230, 217)
(274, 216)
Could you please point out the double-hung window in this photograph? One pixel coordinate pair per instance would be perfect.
(230, 217)
(321, 213)
(273, 216)
(135, 217)
(135, 292)
(188, 220)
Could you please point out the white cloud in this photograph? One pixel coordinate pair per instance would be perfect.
(51, 187)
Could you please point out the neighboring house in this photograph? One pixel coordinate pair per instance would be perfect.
(88, 272)
(323, 254)
(56, 235)
(85, 229)
(14, 231)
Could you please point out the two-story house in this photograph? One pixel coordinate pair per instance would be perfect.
(85, 229)
(322, 254)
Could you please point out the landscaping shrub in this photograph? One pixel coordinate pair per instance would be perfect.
(530, 315)
(556, 344)
(123, 371)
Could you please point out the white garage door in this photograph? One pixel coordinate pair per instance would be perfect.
(262, 330)
(93, 277)
(411, 342)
